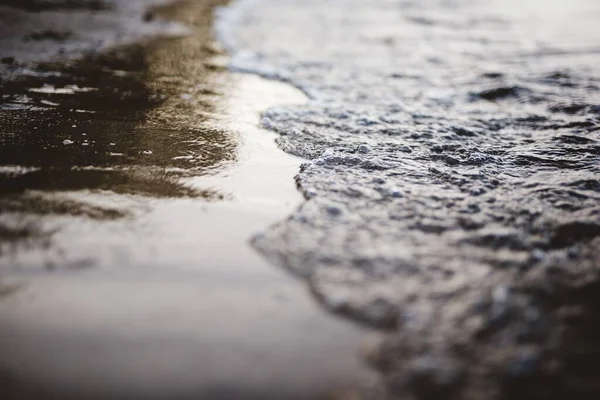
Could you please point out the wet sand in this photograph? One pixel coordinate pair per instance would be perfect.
(131, 182)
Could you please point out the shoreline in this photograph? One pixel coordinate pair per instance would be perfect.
(452, 189)
(128, 272)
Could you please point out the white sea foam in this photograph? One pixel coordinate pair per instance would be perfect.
(226, 27)
(443, 135)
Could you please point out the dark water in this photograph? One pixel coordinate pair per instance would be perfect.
(453, 193)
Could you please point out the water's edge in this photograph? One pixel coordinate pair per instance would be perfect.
(131, 215)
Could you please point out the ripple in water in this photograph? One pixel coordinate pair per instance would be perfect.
(453, 195)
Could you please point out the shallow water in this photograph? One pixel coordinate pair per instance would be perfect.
(131, 182)
(453, 192)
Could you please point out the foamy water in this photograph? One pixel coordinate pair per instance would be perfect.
(454, 178)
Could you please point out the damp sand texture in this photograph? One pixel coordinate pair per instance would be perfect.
(132, 178)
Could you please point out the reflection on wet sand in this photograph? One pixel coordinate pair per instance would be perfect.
(137, 177)
(145, 182)
(131, 121)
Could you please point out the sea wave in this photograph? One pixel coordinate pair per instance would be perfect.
(453, 187)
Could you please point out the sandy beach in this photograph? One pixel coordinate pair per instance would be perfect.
(299, 199)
